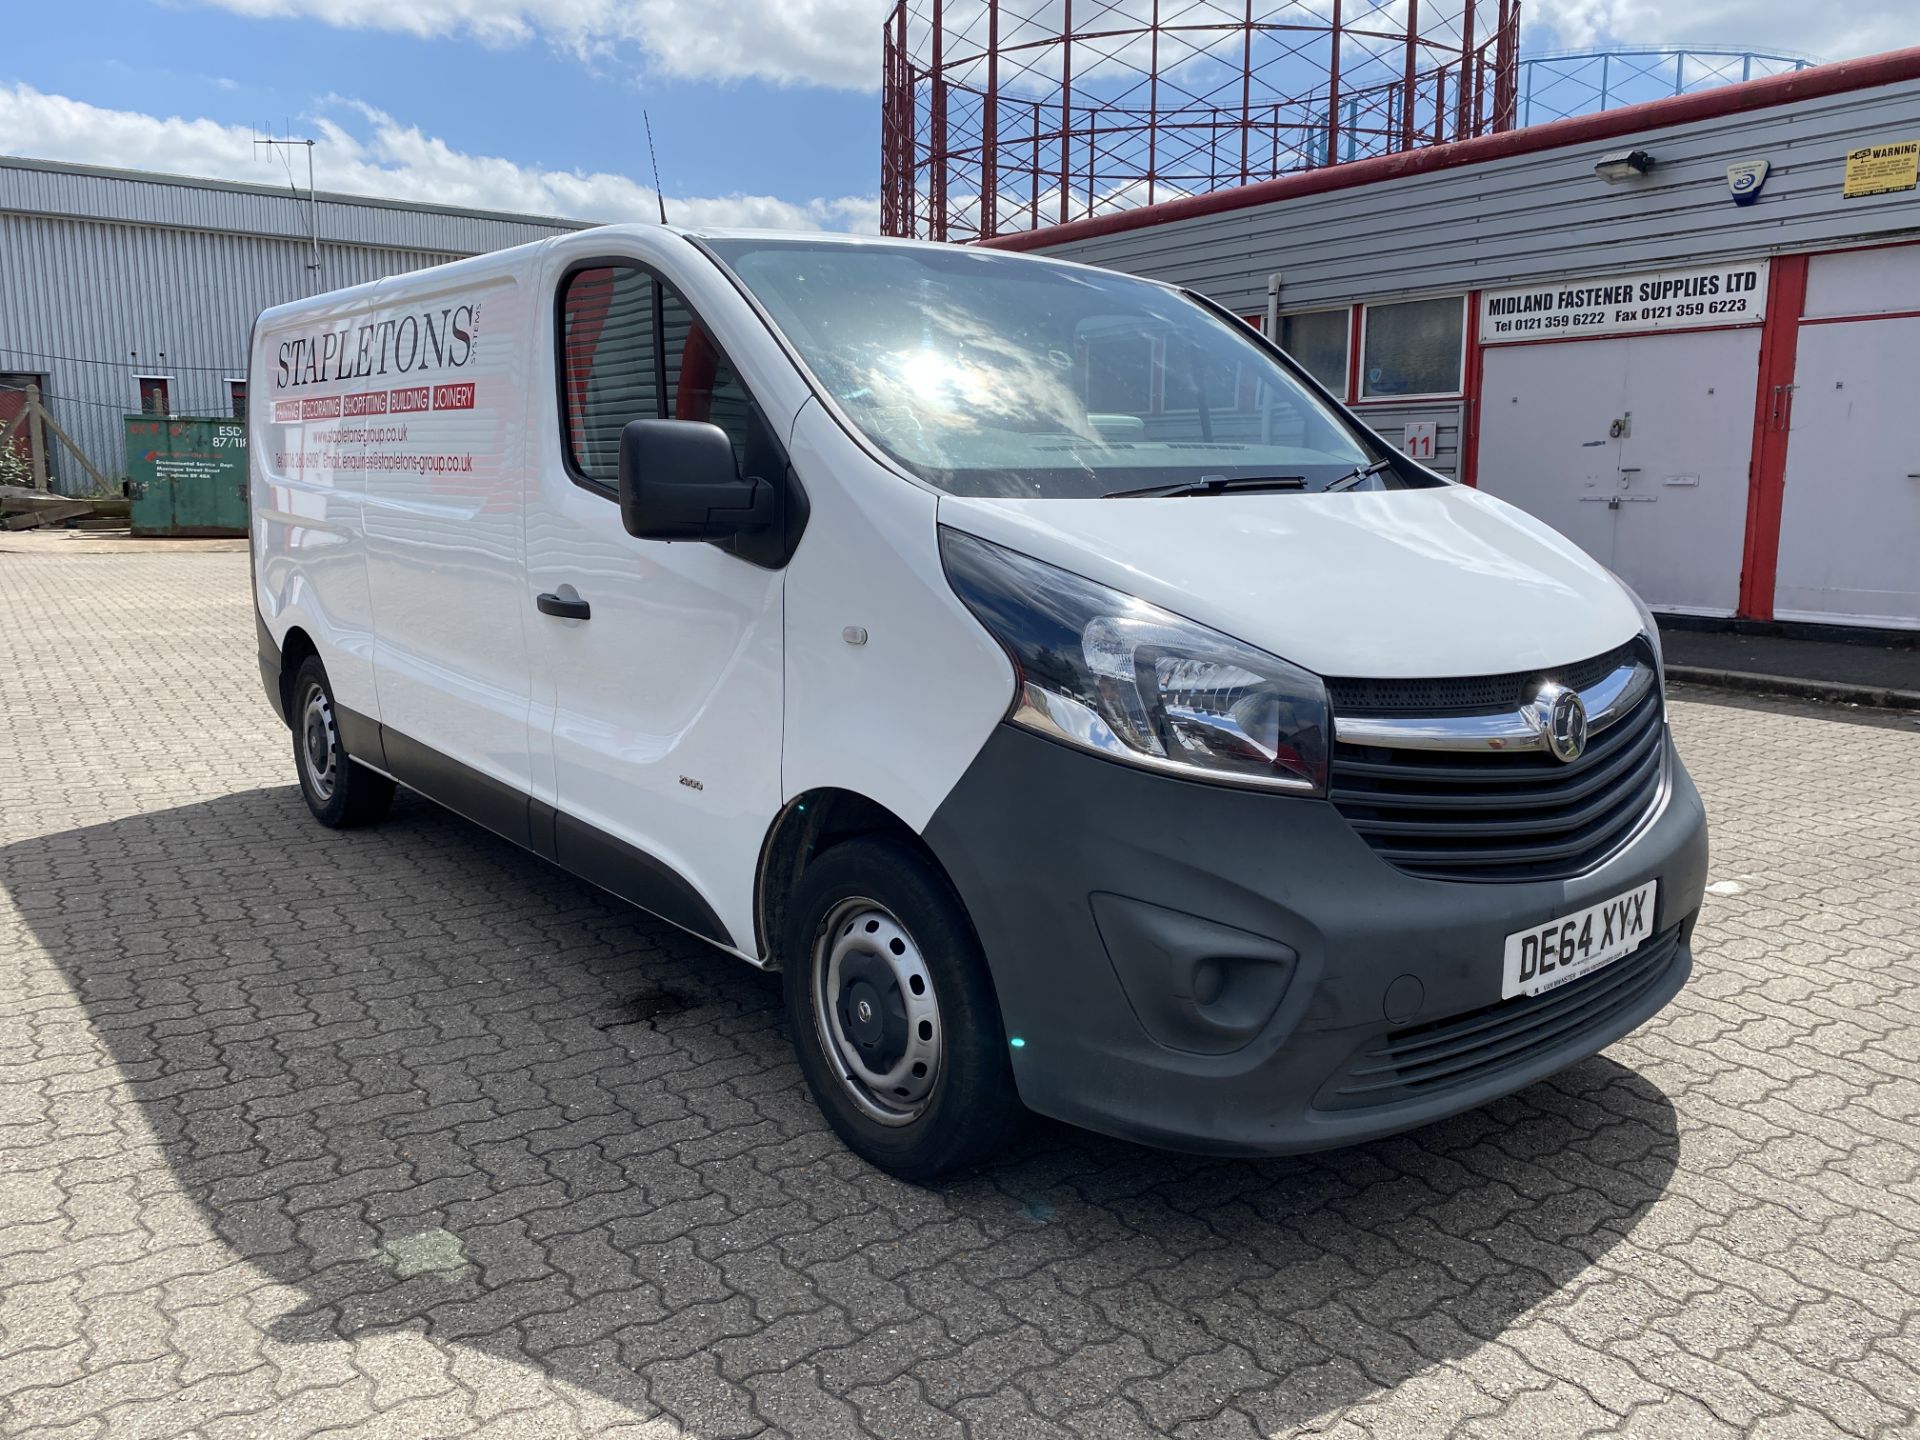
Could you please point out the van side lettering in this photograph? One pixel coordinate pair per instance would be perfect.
(463, 334)
(356, 350)
(406, 343)
(436, 338)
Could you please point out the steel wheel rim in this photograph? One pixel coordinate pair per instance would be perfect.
(888, 1060)
(317, 734)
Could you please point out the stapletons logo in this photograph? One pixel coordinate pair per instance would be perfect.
(411, 344)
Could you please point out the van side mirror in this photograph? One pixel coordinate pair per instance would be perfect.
(679, 481)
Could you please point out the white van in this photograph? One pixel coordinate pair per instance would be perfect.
(1086, 713)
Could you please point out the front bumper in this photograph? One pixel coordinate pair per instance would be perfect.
(1207, 968)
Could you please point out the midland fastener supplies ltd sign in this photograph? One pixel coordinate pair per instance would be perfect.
(1630, 301)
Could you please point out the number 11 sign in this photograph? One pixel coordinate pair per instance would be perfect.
(1419, 439)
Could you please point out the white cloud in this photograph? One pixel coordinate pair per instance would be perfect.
(836, 43)
(818, 42)
(1830, 32)
(365, 151)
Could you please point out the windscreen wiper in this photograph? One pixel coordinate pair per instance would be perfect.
(1358, 476)
(1212, 485)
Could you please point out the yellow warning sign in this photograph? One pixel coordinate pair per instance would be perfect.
(1881, 169)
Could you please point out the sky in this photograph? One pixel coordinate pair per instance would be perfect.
(765, 112)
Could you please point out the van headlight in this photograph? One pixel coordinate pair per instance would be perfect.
(1132, 682)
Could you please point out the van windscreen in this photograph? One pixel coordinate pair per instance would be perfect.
(999, 375)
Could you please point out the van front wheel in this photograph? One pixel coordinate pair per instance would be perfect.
(893, 1013)
(340, 793)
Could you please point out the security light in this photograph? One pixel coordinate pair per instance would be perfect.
(1623, 165)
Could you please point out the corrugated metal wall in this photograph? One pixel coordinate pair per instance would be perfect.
(103, 274)
(1540, 215)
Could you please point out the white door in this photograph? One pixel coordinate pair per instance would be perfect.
(1680, 529)
(1634, 448)
(1546, 441)
(663, 707)
(1850, 521)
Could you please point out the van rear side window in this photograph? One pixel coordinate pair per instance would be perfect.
(631, 349)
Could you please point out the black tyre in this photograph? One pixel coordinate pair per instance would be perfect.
(893, 1012)
(340, 793)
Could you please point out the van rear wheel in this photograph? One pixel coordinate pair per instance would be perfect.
(893, 1012)
(340, 793)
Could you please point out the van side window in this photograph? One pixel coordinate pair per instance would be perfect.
(631, 349)
(703, 385)
(610, 353)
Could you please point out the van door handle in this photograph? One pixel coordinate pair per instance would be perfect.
(551, 604)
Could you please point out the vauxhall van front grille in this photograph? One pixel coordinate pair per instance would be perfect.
(1473, 692)
(1478, 795)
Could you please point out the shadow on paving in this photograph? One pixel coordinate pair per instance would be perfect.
(434, 1083)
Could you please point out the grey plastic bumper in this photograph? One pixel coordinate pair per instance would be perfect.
(1195, 966)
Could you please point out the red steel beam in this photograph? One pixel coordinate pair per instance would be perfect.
(1066, 109)
(1333, 88)
(990, 130)
(1407, 81)
(937, 180)
(1772, 415)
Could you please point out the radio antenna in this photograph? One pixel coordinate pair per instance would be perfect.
(658, 194)
(284, 149)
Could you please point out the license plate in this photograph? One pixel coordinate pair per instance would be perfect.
(1550, 955)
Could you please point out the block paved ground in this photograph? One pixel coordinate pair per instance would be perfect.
(402, 1133)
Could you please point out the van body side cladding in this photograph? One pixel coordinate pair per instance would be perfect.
(270, 663)
(367, 739)
(635, 876)
(576, 847)
(1204, 967)
(462, 789)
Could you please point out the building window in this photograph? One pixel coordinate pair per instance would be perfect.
(153, 394)
(1317, 339)
(1413, 347)
(237, 398)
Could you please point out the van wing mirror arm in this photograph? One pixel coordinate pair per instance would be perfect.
(758, 510)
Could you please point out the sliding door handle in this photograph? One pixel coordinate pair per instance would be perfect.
(551, 604)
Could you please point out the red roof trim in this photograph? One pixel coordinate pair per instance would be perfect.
(1762, 94)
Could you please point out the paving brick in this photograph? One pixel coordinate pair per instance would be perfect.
(307, 1133)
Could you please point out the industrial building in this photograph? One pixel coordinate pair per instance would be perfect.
(125, 291)
(1686, 333)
